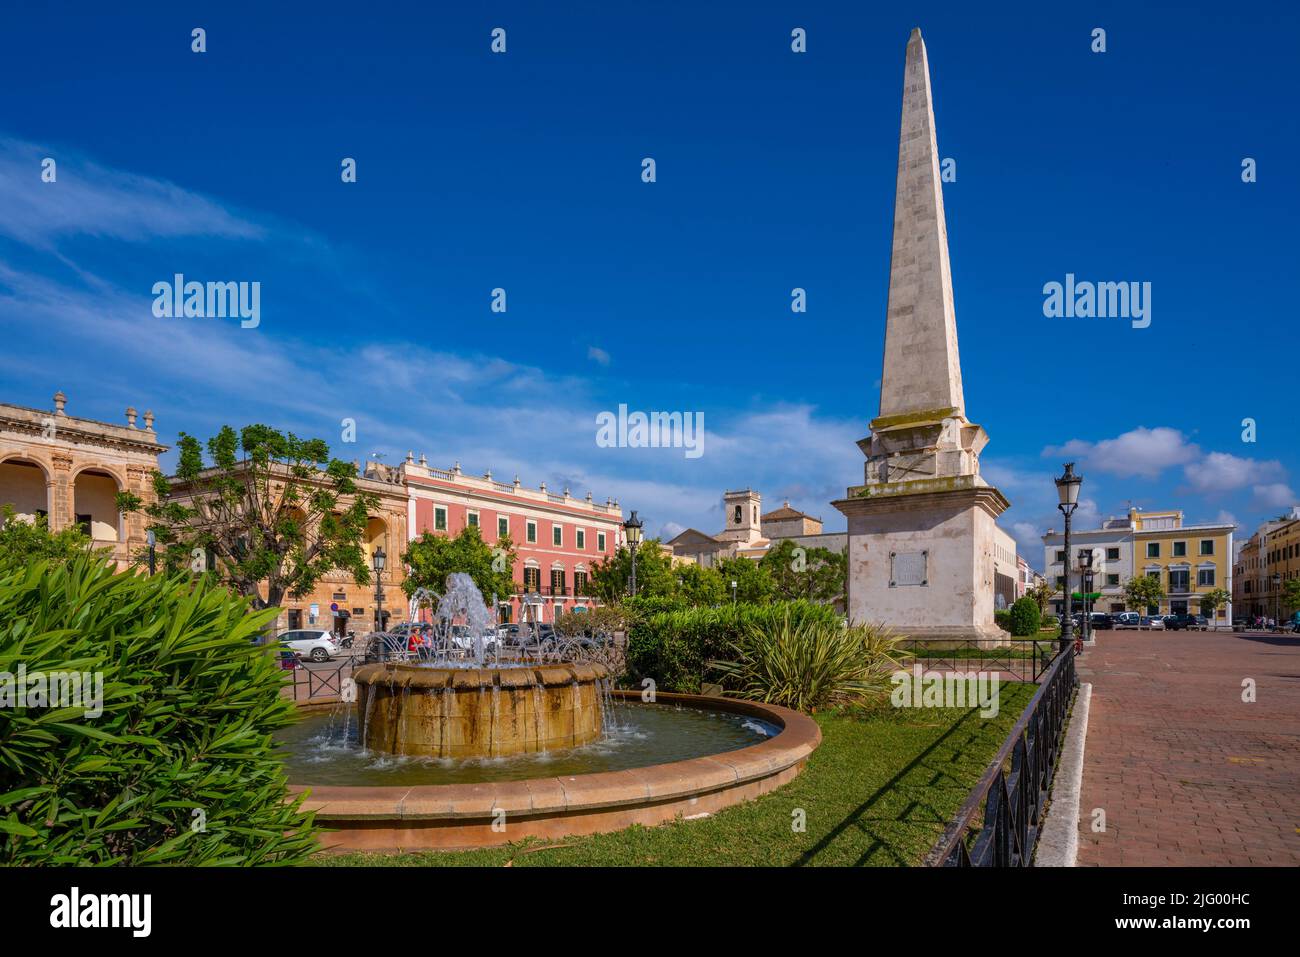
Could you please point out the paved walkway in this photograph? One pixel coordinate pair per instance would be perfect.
(1189, 774)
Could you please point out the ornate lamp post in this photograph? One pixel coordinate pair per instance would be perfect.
(1085, 570)
(734, 583)
(632, 528)
(1067, 490)
(379, 559)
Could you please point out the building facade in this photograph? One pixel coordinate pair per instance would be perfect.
(1273, 550)
(749, 533)
(1188, 561)
(69, 470)
(557, 538)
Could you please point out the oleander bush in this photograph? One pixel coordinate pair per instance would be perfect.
(674, 648)
(810, 664)
(1024, 617)
(179, 766)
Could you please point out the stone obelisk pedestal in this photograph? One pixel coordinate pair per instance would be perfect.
(922, 527)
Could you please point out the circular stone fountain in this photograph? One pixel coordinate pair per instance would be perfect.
(480, 712)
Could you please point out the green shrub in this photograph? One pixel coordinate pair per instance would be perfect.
(1024, 617)
(810, 664)
(674, 647)
(179, 768)
(1002, 618)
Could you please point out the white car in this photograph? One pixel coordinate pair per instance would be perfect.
(1154, 622)
(314, 643)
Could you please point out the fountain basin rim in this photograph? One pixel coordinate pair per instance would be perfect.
(778, 759)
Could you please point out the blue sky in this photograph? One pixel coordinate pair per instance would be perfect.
(775, 170)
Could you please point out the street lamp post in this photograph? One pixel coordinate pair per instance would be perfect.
(1067, 490)
(734, 583)
(1085, 570)
(1277, 599)
(379, 559)
(632, 528)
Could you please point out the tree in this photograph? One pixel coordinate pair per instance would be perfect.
(1212, 601)
(702, 587)
(1291, 594)
(23, 543)
(753, 583)
(1024, 617)
(1142, 591)
(817, 574)
(268, 510)
(1041, 592)
(431, 558)
(655, 576)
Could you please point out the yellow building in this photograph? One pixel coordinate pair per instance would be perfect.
(1268, 560)
(1188, 560)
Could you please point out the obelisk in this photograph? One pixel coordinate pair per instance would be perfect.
(922, 532)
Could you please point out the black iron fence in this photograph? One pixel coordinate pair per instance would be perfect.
(1020, 659)
(1014, 789)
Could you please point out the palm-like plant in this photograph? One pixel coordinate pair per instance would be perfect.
(810, 665)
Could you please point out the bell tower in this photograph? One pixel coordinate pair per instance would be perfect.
(744, 514)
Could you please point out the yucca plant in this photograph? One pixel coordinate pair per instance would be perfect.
(810, 664)
(179, 766)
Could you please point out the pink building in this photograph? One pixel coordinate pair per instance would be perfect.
(557, 538)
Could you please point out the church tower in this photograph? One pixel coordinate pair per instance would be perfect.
(744, 516)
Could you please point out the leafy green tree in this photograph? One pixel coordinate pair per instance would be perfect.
(431, 558)
(655, 576)
(23, 542)
(753, 582)
(1212, 601)
(1291, 594)
(1041, 593)
(267, 510)
(699, 586)
(817, 574)
(1141, 591)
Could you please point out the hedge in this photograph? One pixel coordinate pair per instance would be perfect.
(672, 647)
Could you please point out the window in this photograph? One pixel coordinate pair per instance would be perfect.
(1205, 578)
(600, 541)
(1180, 549)
(1153, 549)
(581, 538)
(1112, 554)
(439, 518)
(532, 532)
(1060, 581)
(1178, 579)
(1060, 554)
(1112, 581)
(471, 518)
(580, 583)
(1155, 575)
(557, 581)
(1207, 546)
(557, 536)
(532, 578)
(503, 527)
(1153, 610)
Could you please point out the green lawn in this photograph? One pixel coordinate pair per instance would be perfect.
(877, 792)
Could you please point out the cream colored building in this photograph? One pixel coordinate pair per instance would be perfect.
(69, 470)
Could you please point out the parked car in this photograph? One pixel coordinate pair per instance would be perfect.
(1183, 622)
(1127, 619)
(1101, 621)
(1154, 622)
(1202, 623)
(314, 643)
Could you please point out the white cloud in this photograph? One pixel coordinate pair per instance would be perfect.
(1222, 472)
(89, 199)
(1141, 452)
(597, 354)
(1272, 496)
